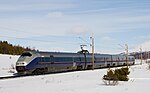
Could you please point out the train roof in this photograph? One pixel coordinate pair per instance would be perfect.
(72, 54)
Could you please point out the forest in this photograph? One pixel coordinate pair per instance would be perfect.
(7, 48)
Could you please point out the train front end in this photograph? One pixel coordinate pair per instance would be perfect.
(23, 61)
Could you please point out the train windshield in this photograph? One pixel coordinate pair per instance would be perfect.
(26, 54)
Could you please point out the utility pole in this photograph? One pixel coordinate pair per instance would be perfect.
(141, 55)
(92, 51)
(127, 52)
(148, 55)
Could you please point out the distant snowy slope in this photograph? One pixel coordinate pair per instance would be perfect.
(6, 63)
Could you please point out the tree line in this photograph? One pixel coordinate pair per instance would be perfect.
(7, 48)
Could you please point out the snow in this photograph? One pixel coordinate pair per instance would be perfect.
(76, 82)
(6, 64)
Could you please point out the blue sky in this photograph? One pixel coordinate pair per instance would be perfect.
(62, 25)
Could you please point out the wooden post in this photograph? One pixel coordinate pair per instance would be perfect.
(92, 51)
(148, 55)
(126, 55)
(141, 55)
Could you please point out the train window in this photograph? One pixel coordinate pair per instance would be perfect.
(51, 56)
(51, 59)
(100, 59)
(67, 59)
(118, 59)
(57, 59)
(26, 54)
(89, 59)
(104, 59)
(82, 59)
(132, 59)
(43, 59)
(47, 59)
(77, 59)
(64, 59)
(129, 59)
(107, 59)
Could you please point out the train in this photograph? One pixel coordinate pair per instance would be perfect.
(35, 62)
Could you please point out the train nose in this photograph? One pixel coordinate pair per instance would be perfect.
(20, 69)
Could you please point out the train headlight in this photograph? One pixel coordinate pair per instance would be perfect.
(21, 64)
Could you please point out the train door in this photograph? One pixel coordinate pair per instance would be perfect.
(52, 59)
(74, 60)
(51, 66)
(80, 62)
(119, 62)
(105, 62)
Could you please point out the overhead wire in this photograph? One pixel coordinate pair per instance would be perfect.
(37, 35)
(37, 40)
(34, 34)
(18, 31)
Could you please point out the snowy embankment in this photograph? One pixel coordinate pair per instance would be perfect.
(78, 82)
(7, 62)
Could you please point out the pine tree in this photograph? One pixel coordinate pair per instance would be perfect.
(7, 48)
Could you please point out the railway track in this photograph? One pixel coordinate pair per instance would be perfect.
(14, 76)
(26, 75)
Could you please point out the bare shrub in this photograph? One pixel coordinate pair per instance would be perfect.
(148, 62)
(12, 68)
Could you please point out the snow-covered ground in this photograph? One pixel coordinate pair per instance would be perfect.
(7, 62)
(77, 82)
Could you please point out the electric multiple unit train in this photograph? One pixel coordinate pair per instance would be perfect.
(44, 62)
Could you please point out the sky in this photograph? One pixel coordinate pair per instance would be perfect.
(64, 25)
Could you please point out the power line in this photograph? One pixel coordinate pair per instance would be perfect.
(24, 38)
(85, 41)
(36, 34)
(33, 33)
(37, 40)
(20, 31)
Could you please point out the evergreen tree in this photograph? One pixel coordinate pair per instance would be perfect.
(7, 48)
